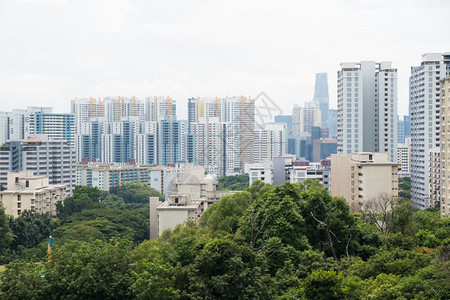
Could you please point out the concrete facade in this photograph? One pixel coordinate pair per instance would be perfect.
(367, 108)
(445, 146)
(425, 102)
(28, 192)
(361, 177)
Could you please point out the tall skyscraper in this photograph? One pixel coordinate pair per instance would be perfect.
(425, 98)
(367, 108)
(321, 97)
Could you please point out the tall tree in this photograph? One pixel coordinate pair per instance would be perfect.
(30, 228)
(6, 234)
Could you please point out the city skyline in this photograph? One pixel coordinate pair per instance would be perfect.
(69, 49)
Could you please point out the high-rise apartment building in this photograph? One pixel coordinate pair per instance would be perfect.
(85, 109)
(425, 106)
(42, 156)
(211, 136)
(170, 133)
(434, 166)
(13, 125)
(304, 118)
(88, 141)
(269, 142)
(321, 98)
(240, 113)
(404, 159)
(118, 107)
(55, 126)
(367, 108)
(119, 144)
(205, 107)
(445, 145)
(156, 108)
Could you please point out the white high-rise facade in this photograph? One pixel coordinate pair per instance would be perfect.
(157, 107)
(367, 108)
(240, 112)
(304, 118)
(13, 125)
(211, 137)
(404, 159)
(424, 95)
(312, 116)
(269, 142)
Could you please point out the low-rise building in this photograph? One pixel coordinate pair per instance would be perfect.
(362, 177)
(105, 176)
(190, 194)
(287, 169)
(28, 192)
(178, 209)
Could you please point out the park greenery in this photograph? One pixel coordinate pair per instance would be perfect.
(292, 241)
(233, 182)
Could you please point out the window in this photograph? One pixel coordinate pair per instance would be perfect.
(27, 183)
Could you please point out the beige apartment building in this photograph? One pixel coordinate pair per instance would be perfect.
(435, 176)
(28, 192)
(445, 146)
(360, 177)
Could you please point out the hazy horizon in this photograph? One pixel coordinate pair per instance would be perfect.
(53, 51)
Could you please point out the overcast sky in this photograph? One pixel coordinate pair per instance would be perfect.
(52, 51)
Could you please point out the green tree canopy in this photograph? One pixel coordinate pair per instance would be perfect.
(135, 192)
(233, 183)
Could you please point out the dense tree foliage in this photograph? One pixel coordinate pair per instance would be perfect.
(6, 234)
(293, 241)
(134, 192)
(404, 186)
(233, 183)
